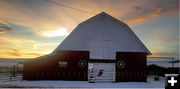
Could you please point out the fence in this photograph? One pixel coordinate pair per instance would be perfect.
(11, 74)
(5, 77)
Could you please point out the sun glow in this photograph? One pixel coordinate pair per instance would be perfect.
(54, 33)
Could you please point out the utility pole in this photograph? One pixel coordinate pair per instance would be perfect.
(172, 62)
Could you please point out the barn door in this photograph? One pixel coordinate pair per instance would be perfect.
(101, 72)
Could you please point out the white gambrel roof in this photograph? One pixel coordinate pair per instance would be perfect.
(103, 36)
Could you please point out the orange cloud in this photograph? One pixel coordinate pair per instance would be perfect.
(2, 43)
(163, 39)
(161, 11)
(24, 17)
(20, 43)
(4, 26)
(1, 31)
(18, 53)
(35, 54)
(17, 47)
(135, 20)
(152, 15)
(15, 53)
(164, 54)
(3, 22)
(155, 59)
(62, 17)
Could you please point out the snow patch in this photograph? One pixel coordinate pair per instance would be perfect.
(85, 84)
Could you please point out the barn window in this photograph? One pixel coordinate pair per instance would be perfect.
(62, 63)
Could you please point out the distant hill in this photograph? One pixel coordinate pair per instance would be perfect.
(165, 64)
(175, 61)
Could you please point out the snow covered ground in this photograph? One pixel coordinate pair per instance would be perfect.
(85, 84)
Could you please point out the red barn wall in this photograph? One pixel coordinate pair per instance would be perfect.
(47, 67)
(135, 66)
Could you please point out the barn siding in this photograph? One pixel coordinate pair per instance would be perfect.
(47, 68)
(135, 66)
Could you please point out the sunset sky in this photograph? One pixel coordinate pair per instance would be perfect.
(31, 28)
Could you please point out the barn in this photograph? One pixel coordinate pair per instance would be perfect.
(100, 49)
